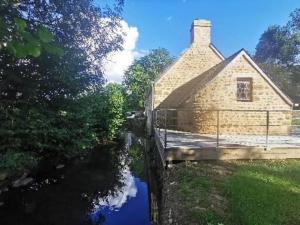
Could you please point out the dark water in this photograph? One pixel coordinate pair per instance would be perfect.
(107, 188)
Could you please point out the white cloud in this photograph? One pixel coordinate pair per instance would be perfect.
(118, 62)
(116, 200)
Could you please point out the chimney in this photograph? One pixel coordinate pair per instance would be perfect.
(200, 32)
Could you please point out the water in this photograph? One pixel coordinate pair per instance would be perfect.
(107, 188)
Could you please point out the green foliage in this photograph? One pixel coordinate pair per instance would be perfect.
(26, 43)
(104, 110)
(278, 51)
(285, 78)
(141, 73)
(66, 132)
(52, 100)
(137, 81)
(16, 161)
(44, 132)
(137, 161)
(114, 109)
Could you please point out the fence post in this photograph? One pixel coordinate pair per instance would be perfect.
(155, 119)
(158, 121)
(267, 129)
(218, 128)
(166, 128)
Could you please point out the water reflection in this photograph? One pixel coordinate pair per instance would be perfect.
(128, 205)
(114, 201)
(134, 211)
(102, 190)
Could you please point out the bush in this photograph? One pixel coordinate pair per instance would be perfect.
(18, 161)
(61, 132)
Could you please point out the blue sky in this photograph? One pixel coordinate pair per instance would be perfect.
(236, 23)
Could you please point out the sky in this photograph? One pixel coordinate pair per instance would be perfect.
(236, 24)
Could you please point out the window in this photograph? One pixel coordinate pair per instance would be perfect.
(244, 89)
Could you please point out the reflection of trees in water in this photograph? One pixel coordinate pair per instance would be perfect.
(109, 165)
(114, 199)
(136, 158)
(69, 201)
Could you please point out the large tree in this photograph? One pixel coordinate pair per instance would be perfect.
(278, 52)
(141, 73)
(51, 57)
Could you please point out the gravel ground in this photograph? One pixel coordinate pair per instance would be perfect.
(187, 139)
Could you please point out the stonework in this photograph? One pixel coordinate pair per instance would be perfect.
(220, 94)
(200, 57)
(211, 86)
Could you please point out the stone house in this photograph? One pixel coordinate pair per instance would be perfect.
(210, 92)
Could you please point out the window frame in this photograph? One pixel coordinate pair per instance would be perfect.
(250, 80)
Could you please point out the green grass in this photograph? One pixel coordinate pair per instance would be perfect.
(265, 193)
(240, 192)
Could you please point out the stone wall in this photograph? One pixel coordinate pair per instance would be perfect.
(195, 61)
(200, 57)
(220, 94)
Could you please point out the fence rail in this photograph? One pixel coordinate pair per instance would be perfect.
(254, 127)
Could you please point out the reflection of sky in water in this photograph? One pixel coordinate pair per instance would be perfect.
(127, 206)
(134, 211)
(115, 201)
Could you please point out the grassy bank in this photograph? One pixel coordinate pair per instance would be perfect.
(235, 193)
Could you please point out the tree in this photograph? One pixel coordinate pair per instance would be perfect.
(51, 60)
(141, 73)
(278, 52)
(277, 45)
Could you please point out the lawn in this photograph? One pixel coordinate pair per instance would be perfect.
(236, 193)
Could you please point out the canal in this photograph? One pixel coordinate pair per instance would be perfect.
(110, 186)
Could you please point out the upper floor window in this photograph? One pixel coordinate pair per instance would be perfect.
(244, 89)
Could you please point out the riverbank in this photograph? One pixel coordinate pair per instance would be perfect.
(43, 168)
(232, 192)
(106, 186)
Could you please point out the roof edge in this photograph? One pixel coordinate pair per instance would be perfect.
(170, 66)
(217, 51)
(211, 46)
(267, 78)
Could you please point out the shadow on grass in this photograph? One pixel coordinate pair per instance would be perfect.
(237, 192)
(264, 195)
